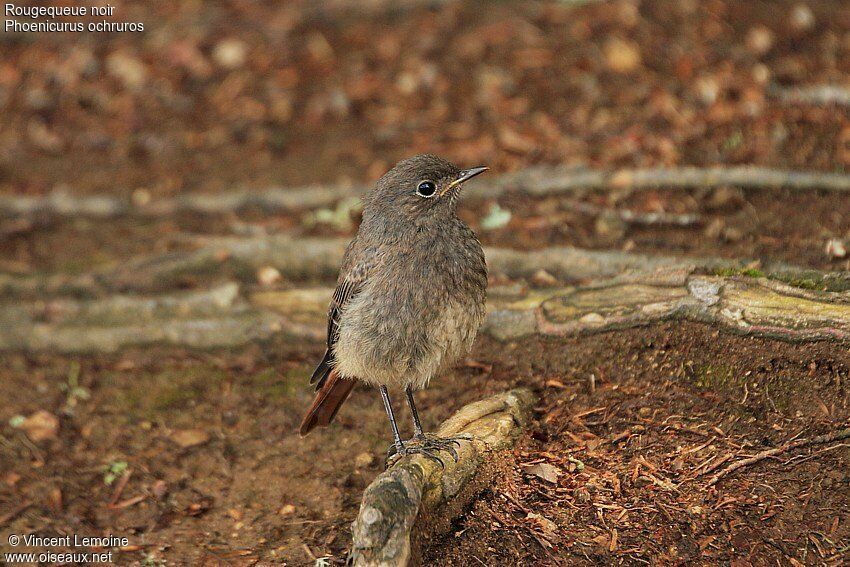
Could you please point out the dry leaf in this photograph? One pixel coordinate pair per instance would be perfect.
(548, 528)
(190, 437)
(40, 426)
(549, 473)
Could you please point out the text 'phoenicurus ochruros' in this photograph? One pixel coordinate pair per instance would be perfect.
(409, 298)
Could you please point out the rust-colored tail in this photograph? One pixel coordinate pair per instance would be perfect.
(330, 397)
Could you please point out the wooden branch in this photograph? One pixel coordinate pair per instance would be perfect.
(221, 317)
(742, 305)
(790, 446)
(302, 259)
(538, 181)
(417, 485)
(206, 319)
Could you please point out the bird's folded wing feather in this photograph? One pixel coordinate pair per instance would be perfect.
(354, 273)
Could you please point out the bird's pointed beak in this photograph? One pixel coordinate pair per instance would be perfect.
(464, 175)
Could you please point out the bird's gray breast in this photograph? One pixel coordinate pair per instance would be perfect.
(415, 315)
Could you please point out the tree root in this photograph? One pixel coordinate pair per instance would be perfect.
(318, 258)
(818, 95)
(537, 181)
(220, 316)
(416, 485)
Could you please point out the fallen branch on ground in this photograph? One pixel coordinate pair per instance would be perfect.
(318, 258)
(222, 317)
(416, 486)
(790, 446)
(537, 181)
(636, 218)
(205, 319)
(818, 95)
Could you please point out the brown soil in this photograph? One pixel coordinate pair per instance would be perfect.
(667, 402)
(322, 94)
(250, 489)
(758, 225)
(631, 427)
(509, 84)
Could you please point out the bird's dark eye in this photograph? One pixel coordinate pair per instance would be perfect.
(426, 189)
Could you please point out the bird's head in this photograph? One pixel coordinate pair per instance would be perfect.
(417, 188)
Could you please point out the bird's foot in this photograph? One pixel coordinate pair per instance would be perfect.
(432, 442)
(428, 445)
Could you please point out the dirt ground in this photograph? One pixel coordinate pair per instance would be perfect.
(215, 471)
(209, 441)
(246, 94)
(194, 455)
(757, 225)
(631, 428)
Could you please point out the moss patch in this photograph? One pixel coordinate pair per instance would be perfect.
(157, 395)
(810, 280)
(732, 272)
(269, 383)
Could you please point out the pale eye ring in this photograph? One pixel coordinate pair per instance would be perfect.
(426, 189)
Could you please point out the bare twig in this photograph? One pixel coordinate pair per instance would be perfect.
(790, 446)
(119, 488)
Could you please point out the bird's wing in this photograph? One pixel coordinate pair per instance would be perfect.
(345, 290)
(353, 275)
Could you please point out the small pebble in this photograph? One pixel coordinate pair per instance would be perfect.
(230, 53)
(542, 278)
(267, 276)
(835, 248)
(622, 56)
(364, 460)
(760, 40)
(802, 18)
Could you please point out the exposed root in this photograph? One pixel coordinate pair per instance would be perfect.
(540, 181)
(415, 484)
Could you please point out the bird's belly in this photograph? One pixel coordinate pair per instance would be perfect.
(393, 348)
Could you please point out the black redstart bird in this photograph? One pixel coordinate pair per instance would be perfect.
(409, 297)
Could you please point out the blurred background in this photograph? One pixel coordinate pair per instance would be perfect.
(231, 96)
(220, 99)
(213, 96)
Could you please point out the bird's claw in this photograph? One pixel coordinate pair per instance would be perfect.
(393, 454)
(427, 445)
(434, 443)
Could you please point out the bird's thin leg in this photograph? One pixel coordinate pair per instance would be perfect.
(430, 442)
(417, 427)
(399, 446)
